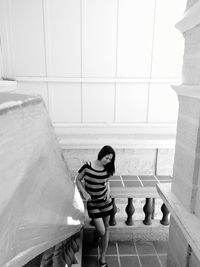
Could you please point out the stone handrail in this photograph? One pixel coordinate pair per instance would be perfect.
(65, 253)
(187, 221)
(148, 192)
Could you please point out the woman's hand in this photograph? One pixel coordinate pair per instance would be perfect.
(81, 187)
(86, 196)
(107, 196)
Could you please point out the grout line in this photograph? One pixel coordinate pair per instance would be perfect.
(158, 257)
(112, 255)
(146, 255)
(137, 254)
(156, 178)
(140, 181)
(156, 162)
(122, 181)
(125, 255)
(148, 180)
(159, 261)
(118, 255)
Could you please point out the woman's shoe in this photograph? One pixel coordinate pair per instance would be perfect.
(103, 264)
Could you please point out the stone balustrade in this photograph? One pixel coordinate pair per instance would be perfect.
(138, 186)
(122, 187)
(128, 189)
(66, 253)
(148, 213)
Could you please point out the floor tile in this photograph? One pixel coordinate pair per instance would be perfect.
(112, 261)
(129, 261)
(129, 177)
(149, 261)
(144, 248)
(90, 261)
(164, 177)
(163, 259)
(161, 246)
(126, 247)
(131, 254)
(112, 249)
(149, 183)
(147, 177)
(116, 184)
(115, 177)
(132, 184)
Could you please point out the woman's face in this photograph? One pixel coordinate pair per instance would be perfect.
(106, 159)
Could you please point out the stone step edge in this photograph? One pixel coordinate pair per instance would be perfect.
(137, 232)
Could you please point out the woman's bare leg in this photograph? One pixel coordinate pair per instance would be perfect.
(99, 230)
(102, 228)
(105, 239)
(99, 226)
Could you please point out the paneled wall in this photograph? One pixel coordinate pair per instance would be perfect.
(96, 61)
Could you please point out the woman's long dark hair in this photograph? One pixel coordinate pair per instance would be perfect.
(106, 150)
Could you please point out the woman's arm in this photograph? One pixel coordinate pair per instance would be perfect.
(80, 186)
(108, 188)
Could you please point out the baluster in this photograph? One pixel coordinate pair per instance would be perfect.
(66, 256)
(148, 211)
(47, 256)
(130, 211)
(58, 260)
(75, 245)
(112, 221)
(153, 209)
(165, 212)
(70, 252)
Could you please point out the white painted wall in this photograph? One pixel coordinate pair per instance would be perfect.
(95, 61)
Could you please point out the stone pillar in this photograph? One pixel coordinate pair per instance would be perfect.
(183, 199)
(187, 154)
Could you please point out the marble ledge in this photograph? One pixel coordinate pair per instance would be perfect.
(8, 86)
(119, 141)
(9, 101)
(120, 135)
(187, 222)
(134, 192)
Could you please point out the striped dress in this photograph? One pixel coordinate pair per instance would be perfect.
(95, 184)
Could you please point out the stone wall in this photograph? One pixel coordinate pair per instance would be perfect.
(128, 161)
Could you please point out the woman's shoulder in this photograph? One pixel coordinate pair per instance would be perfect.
(85, 166)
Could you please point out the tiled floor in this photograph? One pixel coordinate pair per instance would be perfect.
(124, 181)
(126, 253)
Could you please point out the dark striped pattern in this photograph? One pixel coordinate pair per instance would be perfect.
(95, 184)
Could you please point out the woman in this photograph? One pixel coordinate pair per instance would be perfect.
(96, 191)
